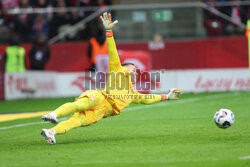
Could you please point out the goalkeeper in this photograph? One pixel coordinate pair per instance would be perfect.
(93, 105)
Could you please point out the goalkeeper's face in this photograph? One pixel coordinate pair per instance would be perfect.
(132, 70)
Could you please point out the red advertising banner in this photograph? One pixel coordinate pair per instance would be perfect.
(221, 52)
(69, 57)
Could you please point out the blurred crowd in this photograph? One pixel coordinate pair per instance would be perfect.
(36, 28)
(30, 26)
(215, 24)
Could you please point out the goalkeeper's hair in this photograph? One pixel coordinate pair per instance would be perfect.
(126, 64)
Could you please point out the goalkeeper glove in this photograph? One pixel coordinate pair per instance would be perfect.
(173, 93)
(107, 23)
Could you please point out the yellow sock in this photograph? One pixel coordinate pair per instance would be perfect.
(77, 106)
(65, 126)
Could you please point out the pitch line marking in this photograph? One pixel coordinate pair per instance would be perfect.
(139, 162)
(27, 124)
(21, 125)
(246, 157)
(135, 108)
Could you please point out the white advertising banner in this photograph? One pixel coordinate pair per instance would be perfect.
(30, 85)
(47, 84)
(53, 84)
(73, 84)
(205, 80)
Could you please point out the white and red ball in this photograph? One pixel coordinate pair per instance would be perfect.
(224, 118)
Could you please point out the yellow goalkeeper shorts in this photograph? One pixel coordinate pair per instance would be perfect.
(101, 108)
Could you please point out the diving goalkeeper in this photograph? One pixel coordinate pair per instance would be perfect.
(93, 105)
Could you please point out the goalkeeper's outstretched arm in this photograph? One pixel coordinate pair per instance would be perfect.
(114, 60)
(153, 98)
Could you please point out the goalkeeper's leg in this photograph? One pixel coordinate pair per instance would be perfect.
(86, 101)
(67, 108)
(86, 117)
(77, 106)
(77, 120)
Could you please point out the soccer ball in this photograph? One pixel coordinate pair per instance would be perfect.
(224, 118)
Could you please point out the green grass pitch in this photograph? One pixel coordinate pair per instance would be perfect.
(174, 133)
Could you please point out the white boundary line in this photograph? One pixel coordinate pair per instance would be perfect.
(246, 157)
(27, 124)
(141, 107)
(138, 162)
(21, 125)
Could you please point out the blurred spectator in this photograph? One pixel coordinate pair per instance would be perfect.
(8, 4)
(45, 4)
(63, 21)
(213, 23)
(79, 3)
(100, 3)
(28, 26)
(59, 19)
(157, 43)
(245, 13)
(23, 21)
(41, 4)
(41, 25)
(75, 18)
(5, 5)
(97, 46)
(4, 30)
(15, 56)
(39, 53)
(59, 3)
(236, 14)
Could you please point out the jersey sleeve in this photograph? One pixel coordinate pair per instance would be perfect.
(114, 60)
(147, 98)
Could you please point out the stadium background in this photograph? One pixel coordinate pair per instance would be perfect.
(197, 46)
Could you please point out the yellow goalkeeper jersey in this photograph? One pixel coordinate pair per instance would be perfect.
(119, 90)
